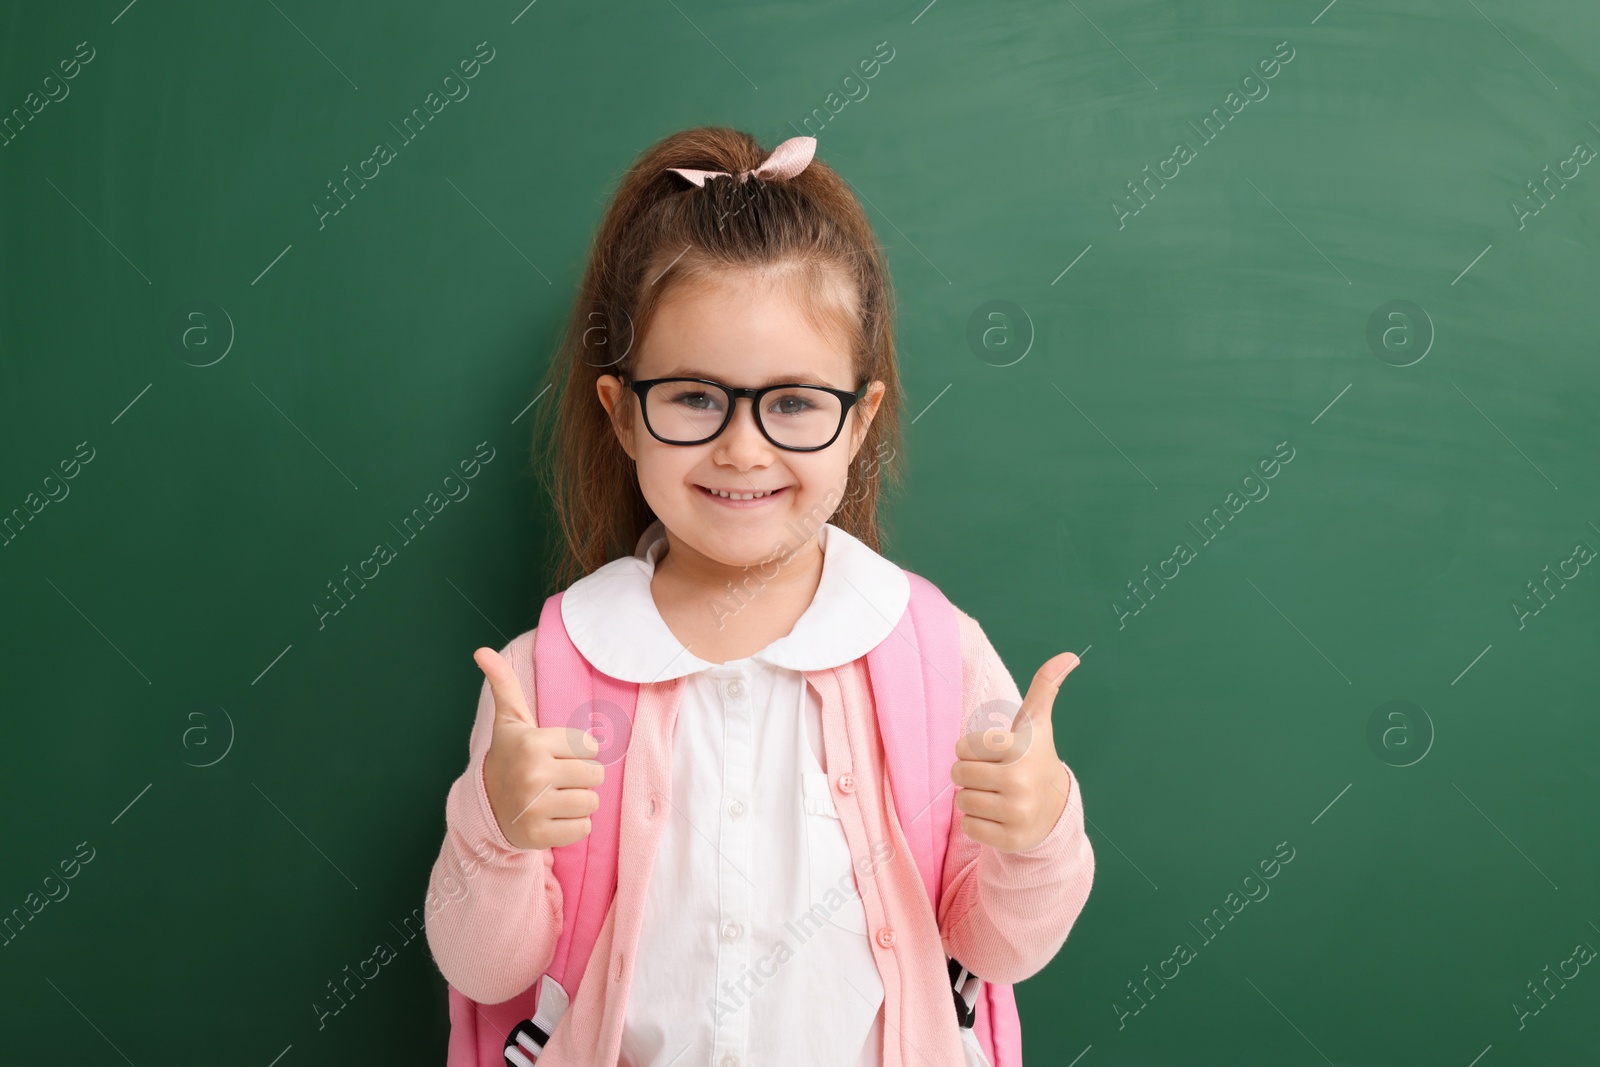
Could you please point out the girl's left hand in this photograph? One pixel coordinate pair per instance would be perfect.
(1014, 786)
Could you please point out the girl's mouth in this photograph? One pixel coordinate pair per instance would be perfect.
(746, 499)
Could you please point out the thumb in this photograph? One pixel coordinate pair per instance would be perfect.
(1039, 704)
(509, 703)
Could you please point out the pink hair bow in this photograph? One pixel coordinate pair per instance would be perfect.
(788, 159)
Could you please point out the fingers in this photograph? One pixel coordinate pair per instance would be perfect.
(567, 832)
(995, 807)
(1004, 774)
(984, 831)
(553, 805)
(993, 745)
(509, 704)
(576, 774)
(978, 774)
(1006, 832)
(576, 744)
(568, 803)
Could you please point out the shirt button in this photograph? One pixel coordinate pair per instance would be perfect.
(730, 1060)
(736, 689)
(847, 783)
(736, 809)
(731, 931)
(886, 936)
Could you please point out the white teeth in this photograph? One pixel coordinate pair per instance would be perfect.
(738, 496)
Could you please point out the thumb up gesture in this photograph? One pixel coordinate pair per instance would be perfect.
(540, 779)
(1014, 786)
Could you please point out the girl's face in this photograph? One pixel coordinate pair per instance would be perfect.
(742, 332)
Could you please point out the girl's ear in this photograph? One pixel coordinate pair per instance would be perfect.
(865, 411)
(615, 398)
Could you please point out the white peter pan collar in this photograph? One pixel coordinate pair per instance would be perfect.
(613, 620)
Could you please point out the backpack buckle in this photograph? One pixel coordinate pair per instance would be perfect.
(964, 986)
(528, 1038)
(524, 1044)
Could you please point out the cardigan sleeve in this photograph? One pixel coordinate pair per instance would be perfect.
(1005, 915)
(493, 910)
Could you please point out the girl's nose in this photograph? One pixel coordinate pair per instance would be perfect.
(743, 443)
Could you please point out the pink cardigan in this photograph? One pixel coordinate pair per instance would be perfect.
(494, 910)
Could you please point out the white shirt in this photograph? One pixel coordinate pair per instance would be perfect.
(728, 975)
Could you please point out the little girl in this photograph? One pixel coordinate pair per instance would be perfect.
(767, 910)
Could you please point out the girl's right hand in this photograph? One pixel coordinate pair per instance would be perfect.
(540, 779)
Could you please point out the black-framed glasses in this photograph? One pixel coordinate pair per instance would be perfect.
(692, 411)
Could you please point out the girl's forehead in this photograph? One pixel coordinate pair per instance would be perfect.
(790, 293)
(753, 368)
(763, 333)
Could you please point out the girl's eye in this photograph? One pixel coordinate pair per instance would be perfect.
(695, 400)
(791, 405)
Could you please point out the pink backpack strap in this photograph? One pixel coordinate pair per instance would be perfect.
(571, 693)
(920, 719)
(1005, 1026)
(916, 684)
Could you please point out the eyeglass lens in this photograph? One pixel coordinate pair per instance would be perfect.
(795, 416)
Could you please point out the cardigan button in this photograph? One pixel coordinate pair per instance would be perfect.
(886, 936)
(616, 975)
(847, 783)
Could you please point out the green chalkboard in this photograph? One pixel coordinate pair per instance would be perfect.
(1250, 351)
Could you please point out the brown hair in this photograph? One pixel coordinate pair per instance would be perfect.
(659, 230)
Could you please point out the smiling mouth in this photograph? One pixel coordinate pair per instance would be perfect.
(727, 496)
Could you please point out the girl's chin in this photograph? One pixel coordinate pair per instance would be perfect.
(745, 543)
